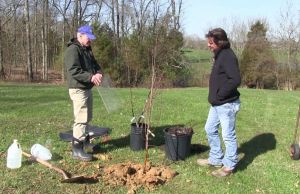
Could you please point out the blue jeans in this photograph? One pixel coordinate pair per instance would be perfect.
(225, 115)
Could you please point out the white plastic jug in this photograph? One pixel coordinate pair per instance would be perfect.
(14, 155)
(40, 152)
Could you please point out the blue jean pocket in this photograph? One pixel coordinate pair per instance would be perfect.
(236, 105)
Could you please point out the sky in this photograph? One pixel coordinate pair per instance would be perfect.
(201, 15)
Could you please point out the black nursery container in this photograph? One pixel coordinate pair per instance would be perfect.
(177, 145)
(137, 136)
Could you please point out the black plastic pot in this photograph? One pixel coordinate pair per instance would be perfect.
(137, 136)
(177, 145)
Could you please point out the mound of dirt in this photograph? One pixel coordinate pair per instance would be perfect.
(135, 176)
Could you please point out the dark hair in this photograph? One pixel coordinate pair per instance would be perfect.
(219, 37)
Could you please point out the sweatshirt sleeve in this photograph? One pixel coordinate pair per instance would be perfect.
(96, 65)
(231, 68)
(74, 68)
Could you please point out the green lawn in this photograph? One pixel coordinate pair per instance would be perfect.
(196, 55)
(265, 126)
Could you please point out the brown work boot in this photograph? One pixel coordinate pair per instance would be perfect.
(205, 162)
(222, 172)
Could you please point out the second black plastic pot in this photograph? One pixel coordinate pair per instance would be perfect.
(177, 146)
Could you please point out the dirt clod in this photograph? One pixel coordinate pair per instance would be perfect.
(135, 176)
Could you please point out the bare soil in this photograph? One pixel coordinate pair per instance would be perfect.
(135, 176)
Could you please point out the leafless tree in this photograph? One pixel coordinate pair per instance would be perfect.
(62, 10)
(15, 6)
(141, 13)
(7, 12)
(52, 22)
(28, 42)
(237, 33)
(45, 26)
(176, 13)
(288, 35)
(35, 37)
(237, 30)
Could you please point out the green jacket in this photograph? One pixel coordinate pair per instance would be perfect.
(80, 64)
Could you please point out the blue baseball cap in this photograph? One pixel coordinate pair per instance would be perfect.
(88, 31)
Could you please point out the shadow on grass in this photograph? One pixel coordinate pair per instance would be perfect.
(198, 149)
(258, 145)
(82, 180)
(124, 141)
(120, 142)
(98, 134)
(157, 141)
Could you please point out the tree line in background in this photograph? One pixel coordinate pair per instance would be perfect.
(266, 64)
(269, 58)
(133, 36)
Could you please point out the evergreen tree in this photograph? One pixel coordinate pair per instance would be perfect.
(257, 63)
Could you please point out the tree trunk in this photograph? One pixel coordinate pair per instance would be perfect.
(45, 39)
(113, 7)
(28, 43)
(118, 47)
(35, 45)
(123, 19)
(80, 14)
(43, 44)
(15, 39)
(118, 19)
(2, 75)
(63, 40)
(176, 16)
(76, 12)
(173, 4)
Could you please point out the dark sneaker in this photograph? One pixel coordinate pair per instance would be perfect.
(205, 162)
(222, 172)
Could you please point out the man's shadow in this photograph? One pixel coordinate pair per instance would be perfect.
(259, 144)
(115, 143)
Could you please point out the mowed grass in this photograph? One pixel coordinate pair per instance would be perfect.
(265, 128)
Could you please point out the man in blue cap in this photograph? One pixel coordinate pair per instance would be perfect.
(83, 72)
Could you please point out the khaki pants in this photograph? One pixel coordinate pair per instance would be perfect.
(83, 111)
